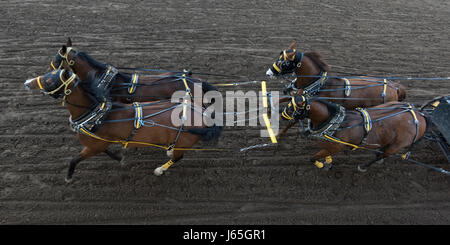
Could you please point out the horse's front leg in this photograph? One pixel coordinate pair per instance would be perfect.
(324, 153)
(83, 155)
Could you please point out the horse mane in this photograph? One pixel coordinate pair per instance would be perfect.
(318, 59)
(92, 61)
(102, 67)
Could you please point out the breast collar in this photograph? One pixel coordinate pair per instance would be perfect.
(331, 127)
(92, 119)
(314, 88)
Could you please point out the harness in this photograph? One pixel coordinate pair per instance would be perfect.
(134, 83)
(105, 82)
(314, 88)
(367, 125)
(92, 119)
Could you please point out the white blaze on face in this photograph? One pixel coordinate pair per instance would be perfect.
(27, 84)
(269, 73)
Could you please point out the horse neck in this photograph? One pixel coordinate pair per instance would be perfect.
(82, 68)
(77, 102)
(308, 68)
(318, 113)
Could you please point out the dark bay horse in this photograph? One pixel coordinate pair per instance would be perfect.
(385, 129)
(360, 92)
(125, 87)
(133, 125)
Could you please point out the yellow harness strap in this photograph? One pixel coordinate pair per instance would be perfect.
(416, 121)
(324, 77)
(366, 118)
(348, 87)
(39, 83)
(276, 67)
(342, 142)
(383, 94)
(134, 82)
(138, 115)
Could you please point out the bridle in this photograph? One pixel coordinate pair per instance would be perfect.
(294, 111)
(284, 64)
(60, 58)
(56, 76)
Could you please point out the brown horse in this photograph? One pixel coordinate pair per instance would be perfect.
(385, 129)
(133, 125)
(312, 78)
(126, 88)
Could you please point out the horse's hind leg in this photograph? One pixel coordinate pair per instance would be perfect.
(120, 157)
(176, 156)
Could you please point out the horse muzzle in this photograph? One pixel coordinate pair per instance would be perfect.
(27, 84)
(270, 73)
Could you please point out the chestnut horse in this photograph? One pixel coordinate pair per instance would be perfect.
(126, 88)
(385, 129)
(129, 124)
(361, 92)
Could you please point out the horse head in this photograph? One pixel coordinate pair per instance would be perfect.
(55, 83)
(297, 109)
(288, 62)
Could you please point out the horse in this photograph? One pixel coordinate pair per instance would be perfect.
(384, 129)
(126, 124)
(312, 79)
(124, 87)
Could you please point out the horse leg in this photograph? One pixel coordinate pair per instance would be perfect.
(84, 154)
(323, 154)
(176, 156)
(363, 167)
(114, 156)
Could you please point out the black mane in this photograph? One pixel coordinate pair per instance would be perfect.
(318, 60)
(92, 61)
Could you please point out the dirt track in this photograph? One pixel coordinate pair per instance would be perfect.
(270, 186)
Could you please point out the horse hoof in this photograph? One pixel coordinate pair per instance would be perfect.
(68, 180)
(362, 169)
(170, 153)
(380, 161)
(158, 171)
(122, 161)
(327, 166)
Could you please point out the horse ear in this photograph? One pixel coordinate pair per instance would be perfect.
(69, 42)
(292, 46)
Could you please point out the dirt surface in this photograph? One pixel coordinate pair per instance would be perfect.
(276, 185)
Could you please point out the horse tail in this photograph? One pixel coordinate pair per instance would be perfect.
(401, 92)
(207, 134)
(208, 87)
